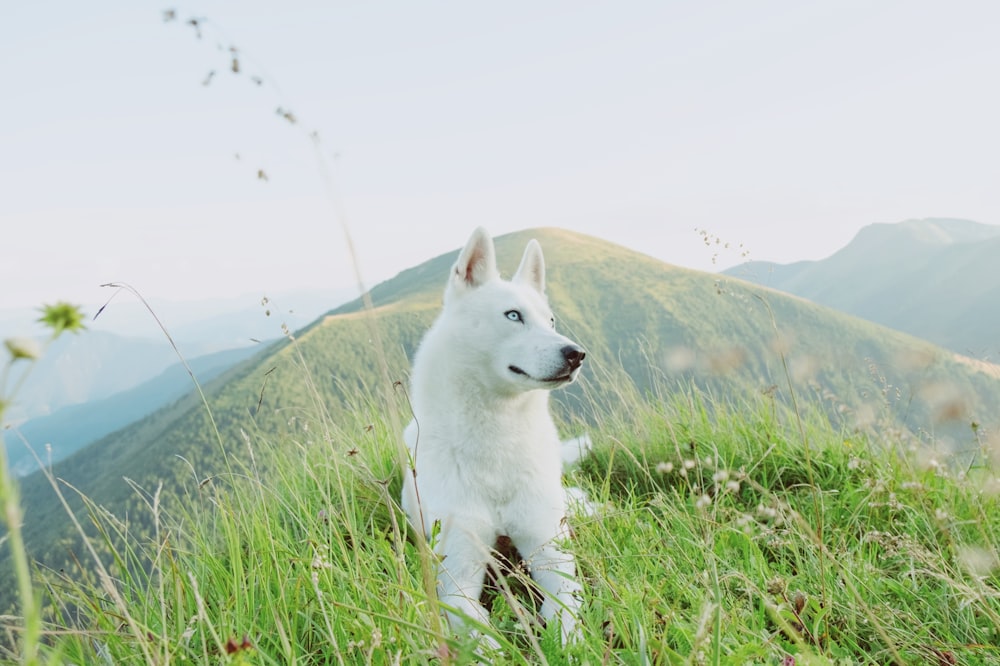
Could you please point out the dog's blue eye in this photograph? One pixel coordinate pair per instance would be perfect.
(513, 315)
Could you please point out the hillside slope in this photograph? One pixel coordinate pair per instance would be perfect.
(642, 322)
(933, 278)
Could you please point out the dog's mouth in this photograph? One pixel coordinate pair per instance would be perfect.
(567, 376)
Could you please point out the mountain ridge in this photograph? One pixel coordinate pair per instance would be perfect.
(932, 278)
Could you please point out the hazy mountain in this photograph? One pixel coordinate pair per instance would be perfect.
(934, 278)
(203, 326)
(90, 365)
(60, 434)
(125, 346)
(646, 325)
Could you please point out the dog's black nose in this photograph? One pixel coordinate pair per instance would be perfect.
(574, 356)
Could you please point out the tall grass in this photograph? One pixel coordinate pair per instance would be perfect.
(707, 548)
(57, 319)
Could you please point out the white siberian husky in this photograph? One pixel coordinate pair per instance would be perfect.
(487, 458)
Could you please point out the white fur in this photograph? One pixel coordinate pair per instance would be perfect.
(487, 458)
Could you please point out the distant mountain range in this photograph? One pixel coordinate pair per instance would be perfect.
(56, 436)
(937, 279)
(125, 346)
(648, 327)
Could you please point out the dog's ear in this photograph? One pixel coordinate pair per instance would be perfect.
(532, 269)
(477, 263)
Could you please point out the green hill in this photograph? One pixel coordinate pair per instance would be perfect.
(644, 323)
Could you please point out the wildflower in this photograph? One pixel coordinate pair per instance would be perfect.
(853, 464)
(62, 317)
(318, 562)
(721, 476)
(26, 348)
(766, 513)
(664, 467)
(746, 523)
(689, 464)
(189, 630)
(776, 586)
(733, 486)
(991, 486)
(232, 647)
(979, 562)
(703, 502)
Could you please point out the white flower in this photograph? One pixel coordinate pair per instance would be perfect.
(979, 562)
(28, 348)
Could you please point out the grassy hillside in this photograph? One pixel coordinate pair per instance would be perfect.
(238, 489)
(726, 535)
(933, 278)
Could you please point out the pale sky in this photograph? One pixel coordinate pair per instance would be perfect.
(785, 126)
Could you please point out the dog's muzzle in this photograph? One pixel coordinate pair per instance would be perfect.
(572, 360)
(574, 356)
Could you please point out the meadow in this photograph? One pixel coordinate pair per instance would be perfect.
(748, 531)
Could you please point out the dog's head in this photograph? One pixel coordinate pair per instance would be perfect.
(510, 327)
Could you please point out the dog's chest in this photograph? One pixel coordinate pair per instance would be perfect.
(503, 465)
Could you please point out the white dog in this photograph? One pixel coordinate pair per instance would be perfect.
(487, 458)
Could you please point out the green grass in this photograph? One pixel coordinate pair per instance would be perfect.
(639, 319)
(728, 534)
(739, 524)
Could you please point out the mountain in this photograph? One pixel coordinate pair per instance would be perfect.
(204, 326)
(933, 278)
(125, 345)
(648, 328)
(87, 366)
(56, 436)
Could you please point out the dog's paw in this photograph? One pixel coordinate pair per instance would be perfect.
(578, 503)
(574, 450)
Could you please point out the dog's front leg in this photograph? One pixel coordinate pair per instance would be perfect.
(461, 573)
(554, 572)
